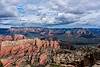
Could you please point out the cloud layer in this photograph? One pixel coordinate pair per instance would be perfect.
(8, 8)
(84, 13)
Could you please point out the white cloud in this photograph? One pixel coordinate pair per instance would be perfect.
(85, 12)
(8, 8)
(80, 12)
(92, 19)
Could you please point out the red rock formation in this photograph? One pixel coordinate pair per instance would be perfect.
(7, 63)
(18, 50)
(5, 51)
(43, 58)
(8, 38)
(11, 38)
(1, 38)
(54, 44)
(38, 43)
(19, 37)
(5, 38)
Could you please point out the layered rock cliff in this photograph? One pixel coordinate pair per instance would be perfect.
(12, 37)
(47, 53)
(25, 52)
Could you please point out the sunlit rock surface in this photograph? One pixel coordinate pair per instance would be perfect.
(11, 37)
(25, 51)
(35, 52)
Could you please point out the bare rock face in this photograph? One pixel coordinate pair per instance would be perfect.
(6, 62)
(1, 38)
(25, 51)
(39, 43)
(8, 38)
(45, 43)
(5, 51)
(19, 37)
(11, 37)
(43, 58)
(54, 44)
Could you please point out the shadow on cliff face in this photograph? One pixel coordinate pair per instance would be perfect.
(40, 52)
(1, 65)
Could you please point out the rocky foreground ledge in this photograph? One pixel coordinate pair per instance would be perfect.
(44, 53)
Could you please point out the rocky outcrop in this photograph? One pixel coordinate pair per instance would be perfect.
(11, 37)
(24, 52)
(43, 58)
(19, 37)
(27, 52)
(98, 46)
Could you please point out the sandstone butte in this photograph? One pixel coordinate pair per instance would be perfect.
(18, 52)
(11, 37)
(25, 52)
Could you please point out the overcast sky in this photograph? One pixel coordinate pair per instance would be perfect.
(77, 13)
